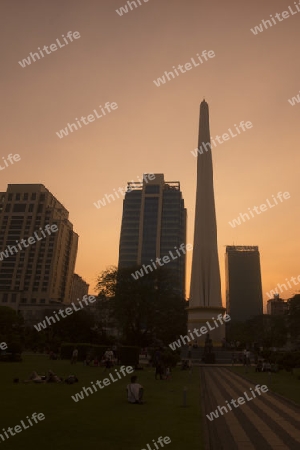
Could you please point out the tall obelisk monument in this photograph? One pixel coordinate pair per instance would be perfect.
(205, 293)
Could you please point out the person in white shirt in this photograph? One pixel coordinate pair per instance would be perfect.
(135, 391)
(109, 354)
(108, 358)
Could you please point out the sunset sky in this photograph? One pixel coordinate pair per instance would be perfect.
(154, 128)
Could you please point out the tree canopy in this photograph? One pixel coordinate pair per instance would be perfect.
(146, 309)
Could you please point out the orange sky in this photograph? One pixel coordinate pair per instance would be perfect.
(154, 128)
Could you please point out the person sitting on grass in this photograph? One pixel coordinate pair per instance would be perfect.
(53, 378)
(168, 374)
(35, 378)
(71, 379)
(135, 391)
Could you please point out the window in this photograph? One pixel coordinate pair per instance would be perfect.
(18, 196)
(152, 189)
(10, 197)
(25, 196)
(19, 207)
(33, 196)
(30, 209)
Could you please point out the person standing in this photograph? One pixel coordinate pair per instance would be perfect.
(108, 357)
(74, 356)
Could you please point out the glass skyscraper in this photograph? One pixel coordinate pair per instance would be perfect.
(153, 224)
(243, 282)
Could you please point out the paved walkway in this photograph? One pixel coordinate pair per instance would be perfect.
(264, 423)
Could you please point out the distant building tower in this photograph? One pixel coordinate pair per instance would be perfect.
(276, 306)
(79, 288)
(243, 282)
(36, 275)
(153, 224)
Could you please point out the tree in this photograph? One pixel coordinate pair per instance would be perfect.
(267, 330)
(77, 328)
(143, 307)
(11, 325)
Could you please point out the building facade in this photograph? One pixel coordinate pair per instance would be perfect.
(79, 288)
(243, 282)
(153, 224)
(38, 250)
(277, 306)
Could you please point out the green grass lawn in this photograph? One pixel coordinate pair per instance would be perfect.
(104, 419)
(282, 382)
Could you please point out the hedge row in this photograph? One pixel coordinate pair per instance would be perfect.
(84, 350)
(287, 360)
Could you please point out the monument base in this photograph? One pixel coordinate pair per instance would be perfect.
(198, 317)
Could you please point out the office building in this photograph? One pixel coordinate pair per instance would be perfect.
(153, 224)
(79, 288)
(243, 282)
(205, 293)
(37, 263)
(277, 306)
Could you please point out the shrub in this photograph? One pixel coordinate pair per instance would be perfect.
(170, 358)
(83, 350)
(12, 353)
